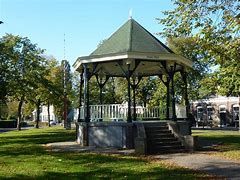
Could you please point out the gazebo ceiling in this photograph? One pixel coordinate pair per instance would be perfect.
(132, 46)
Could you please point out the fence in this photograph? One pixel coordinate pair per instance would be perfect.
(118, 112)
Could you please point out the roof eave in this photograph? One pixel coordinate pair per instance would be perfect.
(133, 55)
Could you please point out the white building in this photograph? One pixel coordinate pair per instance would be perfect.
(221, 110)
(44, 114)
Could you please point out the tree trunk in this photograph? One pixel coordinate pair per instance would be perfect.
(48, 111)
(145, 102)
(20, 113)
(38, 112)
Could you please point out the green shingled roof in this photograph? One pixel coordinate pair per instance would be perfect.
(131, 37)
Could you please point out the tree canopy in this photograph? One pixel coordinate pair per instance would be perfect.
(26, 74)
(214, 25)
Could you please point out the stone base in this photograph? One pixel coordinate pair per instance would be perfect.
(182, 130)
(128, 135)
(105, 134)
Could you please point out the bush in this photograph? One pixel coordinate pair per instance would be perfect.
(41, 124)
(11, 118)
(24, 124)
(8, 124)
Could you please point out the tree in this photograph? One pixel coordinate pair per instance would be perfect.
(53, 88)
(67, 91)
(189, 48)
(25, 65)
(215, 26)
(56, 77)
(6, 53)
(146, 89)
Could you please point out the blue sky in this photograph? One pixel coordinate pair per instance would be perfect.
(84, 22)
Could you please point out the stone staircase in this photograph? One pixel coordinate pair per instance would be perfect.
(160, 139)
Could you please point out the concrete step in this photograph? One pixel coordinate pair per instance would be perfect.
(163, 144)
(156, 128)
(167, 151)
(159, 135)
(160, 139)
(158, 131)
(169, 146)
(154, 124)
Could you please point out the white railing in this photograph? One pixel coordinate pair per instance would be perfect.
(149, 113)
(118, 112)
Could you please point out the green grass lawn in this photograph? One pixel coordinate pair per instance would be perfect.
(22, 156)
(227, 142)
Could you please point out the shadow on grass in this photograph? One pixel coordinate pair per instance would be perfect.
(96, 166)
(23, 157)
(109, 174)
(27, 142)
(219, 140)
(38, 139)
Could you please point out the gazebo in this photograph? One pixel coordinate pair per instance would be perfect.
(133, 53)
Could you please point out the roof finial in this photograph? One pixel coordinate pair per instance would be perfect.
(130, 13)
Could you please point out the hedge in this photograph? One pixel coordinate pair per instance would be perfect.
(8, 124)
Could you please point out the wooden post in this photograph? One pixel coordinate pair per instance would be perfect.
(86, 94)
(134, 104)
(129, 116)
(128, 75)
(134, 86)
(80, 97)
(184, 77)
(173, 93)
(167, 84)
(168, 97)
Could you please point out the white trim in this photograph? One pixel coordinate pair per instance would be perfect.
(223, 107)
(218, 100)
(135, 55)
(162, 56)
(102, 59)
(236, 105)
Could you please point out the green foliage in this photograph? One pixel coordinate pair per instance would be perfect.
(3, 110)
(12, 109)
(146, 89)
(189, 48)
(28, 77)
(24, 68)
(208, 85)
(159, 96)
(55, 96)
(215, 27)
(121, 89)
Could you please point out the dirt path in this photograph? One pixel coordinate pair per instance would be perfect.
(198, 160)
(204, 162)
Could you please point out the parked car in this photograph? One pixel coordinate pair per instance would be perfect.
(52, 122)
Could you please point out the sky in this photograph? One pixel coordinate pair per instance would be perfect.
(85, 23)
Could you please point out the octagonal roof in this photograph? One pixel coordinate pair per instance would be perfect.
(131, 37)
(129, 43)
